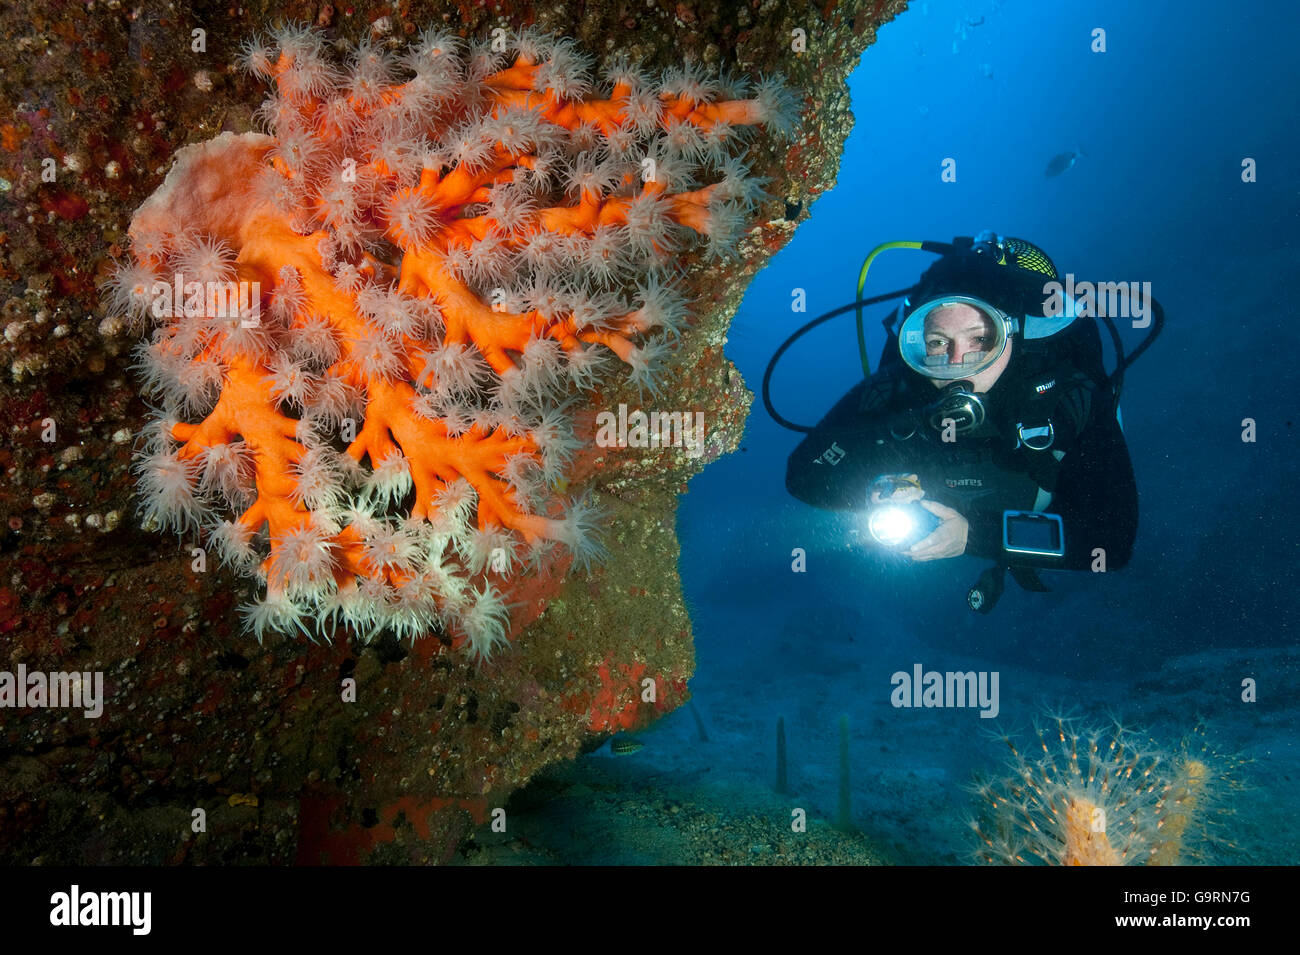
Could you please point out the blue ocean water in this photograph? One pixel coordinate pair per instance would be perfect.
(1164, 119)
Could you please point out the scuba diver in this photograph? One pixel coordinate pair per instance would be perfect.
(991, 428)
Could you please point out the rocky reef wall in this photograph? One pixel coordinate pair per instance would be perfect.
(94, 101)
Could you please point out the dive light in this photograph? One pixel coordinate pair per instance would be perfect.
(898, 524)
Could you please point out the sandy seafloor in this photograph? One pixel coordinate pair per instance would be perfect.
(680, 800)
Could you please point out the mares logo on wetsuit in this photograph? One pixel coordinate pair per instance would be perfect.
(963, 482)
(832, 455)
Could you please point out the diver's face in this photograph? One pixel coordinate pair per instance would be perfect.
(960, 331)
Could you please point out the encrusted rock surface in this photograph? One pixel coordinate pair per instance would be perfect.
(197, 715)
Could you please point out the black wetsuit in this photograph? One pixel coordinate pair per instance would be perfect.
(878, 428)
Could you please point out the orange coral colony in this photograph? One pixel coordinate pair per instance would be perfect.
(370, 327)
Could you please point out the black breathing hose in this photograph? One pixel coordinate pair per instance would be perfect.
(776, 357)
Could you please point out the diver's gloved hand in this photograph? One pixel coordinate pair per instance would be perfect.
(946, 540)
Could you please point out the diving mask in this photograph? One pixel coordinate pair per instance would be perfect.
(953, 337)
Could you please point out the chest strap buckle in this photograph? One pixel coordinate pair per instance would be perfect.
(1036, 437)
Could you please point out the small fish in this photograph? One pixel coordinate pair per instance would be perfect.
(625, 745)
(1062, 162)
(242, 799)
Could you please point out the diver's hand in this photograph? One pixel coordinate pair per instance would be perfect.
(946, 540)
